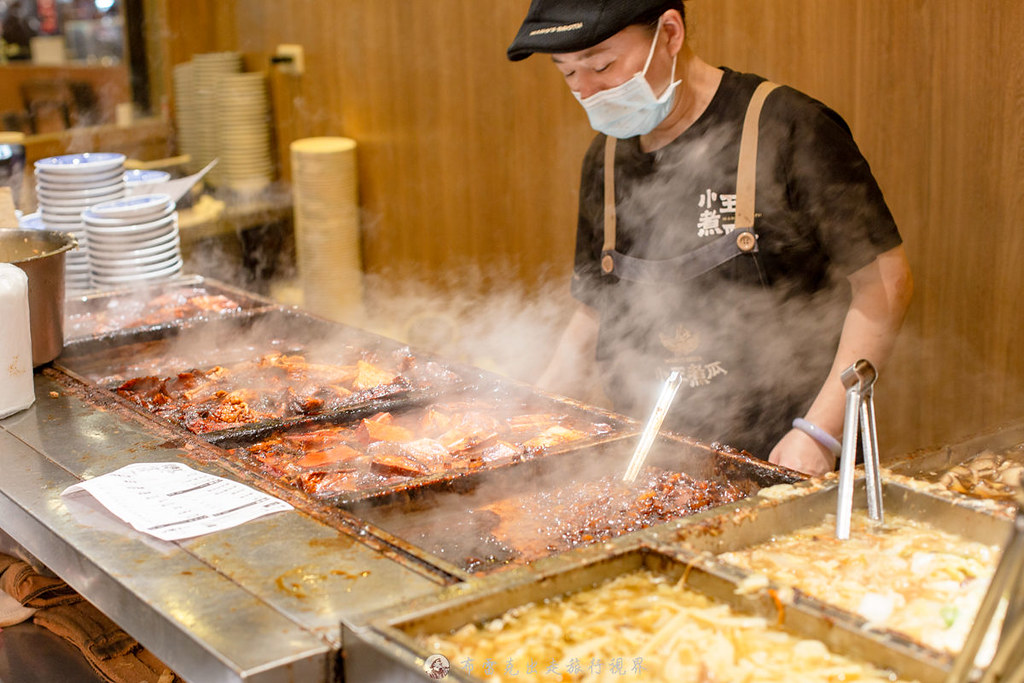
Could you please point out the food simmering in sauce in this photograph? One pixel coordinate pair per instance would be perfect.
(989, 474)
(905, 576)
(274, 386)
(389, 448)
(640, 626)
(121, 314)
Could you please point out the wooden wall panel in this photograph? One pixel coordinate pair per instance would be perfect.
(458, 148)
(932, 91)
(470, 162)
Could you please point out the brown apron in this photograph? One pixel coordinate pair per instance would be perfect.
(742, 239)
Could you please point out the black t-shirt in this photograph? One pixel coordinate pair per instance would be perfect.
(754, 356)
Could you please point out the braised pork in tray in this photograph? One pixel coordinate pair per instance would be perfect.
(390, 448)
(493, 528)
(272, 387)
(117, 313)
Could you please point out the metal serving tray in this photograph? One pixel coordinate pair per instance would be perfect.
(108, 362)
(449, 527)
(505, 399)
(929, 464)
(128, 307)
(387, 649)
(754, 522)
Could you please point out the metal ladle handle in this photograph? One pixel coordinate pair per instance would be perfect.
(653, 426)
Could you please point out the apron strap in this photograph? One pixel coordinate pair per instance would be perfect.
(746, 173)
(609, 204)
(745, 241)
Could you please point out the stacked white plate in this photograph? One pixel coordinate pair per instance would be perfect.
(133, 240)
(243, 120)
(65, 187)
(208, 69)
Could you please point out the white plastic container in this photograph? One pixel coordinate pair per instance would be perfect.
(17, 391)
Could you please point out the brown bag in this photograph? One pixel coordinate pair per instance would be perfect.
(23, 583)
(111, 652)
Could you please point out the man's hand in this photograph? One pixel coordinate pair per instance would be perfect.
(800, 452)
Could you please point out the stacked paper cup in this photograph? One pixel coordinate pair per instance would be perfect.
(327, 240)
(246, 164)
(65, 187)
(133, 240)
(209, 69)
(186, 115)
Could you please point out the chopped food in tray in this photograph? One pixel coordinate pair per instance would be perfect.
(126, 312)
(497, 529)
(274, 386)
(905, 575)
(990, 475)
(640, 626)
(582, 513)
(387, 449)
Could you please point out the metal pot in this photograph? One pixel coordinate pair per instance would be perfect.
(40, 253)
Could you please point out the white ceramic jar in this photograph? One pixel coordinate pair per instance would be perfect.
(17, 391)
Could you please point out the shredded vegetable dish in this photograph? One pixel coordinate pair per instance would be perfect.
(904, 576)
(641, 626)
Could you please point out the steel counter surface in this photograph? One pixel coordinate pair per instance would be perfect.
(260, 602)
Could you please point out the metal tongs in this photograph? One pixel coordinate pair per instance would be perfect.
(1007, 582)
(859, 380)
(653, 426)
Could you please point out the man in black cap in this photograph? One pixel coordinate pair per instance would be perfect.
(743, 241)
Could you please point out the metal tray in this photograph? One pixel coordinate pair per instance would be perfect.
(760, 521)
(929, 464)
(449, 527)
(505, 399)
(387, 649)
(129, 306)
(108, 362)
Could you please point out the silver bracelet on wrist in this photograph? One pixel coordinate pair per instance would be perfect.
(818, 434)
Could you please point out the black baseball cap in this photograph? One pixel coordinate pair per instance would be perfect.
(572, 25)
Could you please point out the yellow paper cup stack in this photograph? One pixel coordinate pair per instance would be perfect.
(327, 236)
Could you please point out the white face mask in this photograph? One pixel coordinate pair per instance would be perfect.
(631, 108)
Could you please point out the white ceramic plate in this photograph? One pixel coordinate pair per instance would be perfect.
(99, 259)
(73, 206)
(77, 164)
(114, 189)
(170, 270)
(134, 241)
(146, 176)
(119, 269)
(131, 229)
(133, 207)
(65, 221)
(31, 221)
(80, 182)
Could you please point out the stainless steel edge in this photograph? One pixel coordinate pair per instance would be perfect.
(260, 602)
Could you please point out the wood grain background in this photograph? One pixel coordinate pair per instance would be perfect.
(469, 163)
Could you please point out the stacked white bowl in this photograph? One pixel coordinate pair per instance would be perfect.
(65, 187)
(243, 119)
(133, 240)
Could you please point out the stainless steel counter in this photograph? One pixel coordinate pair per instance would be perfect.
(264, 601)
